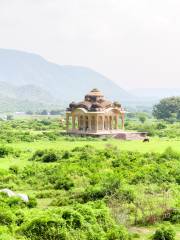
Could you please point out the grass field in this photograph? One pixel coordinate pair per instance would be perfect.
(68, 143)
(146, 233)
(155, 145)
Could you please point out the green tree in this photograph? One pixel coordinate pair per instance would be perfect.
(142, 118)
(167, 109)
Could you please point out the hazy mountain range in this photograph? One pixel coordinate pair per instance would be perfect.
(29, 82)
(25, 76)
(23, 98)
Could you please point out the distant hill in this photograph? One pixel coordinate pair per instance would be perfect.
(65, 83)
(24, 98)
(24, 92)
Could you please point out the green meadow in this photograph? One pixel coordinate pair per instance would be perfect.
(88, 188)
(155, 145)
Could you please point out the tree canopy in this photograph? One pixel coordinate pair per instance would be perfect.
(167, 109)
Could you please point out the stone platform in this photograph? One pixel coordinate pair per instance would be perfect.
(118, 134)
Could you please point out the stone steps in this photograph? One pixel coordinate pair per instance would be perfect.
(131, 135)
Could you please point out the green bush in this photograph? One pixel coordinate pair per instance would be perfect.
(50, 156)
(14, 169)
(172, 215)
(4, 151)
(20, 217)
(64, 183)
(6, 216)
(15, 201)
(5, 233)
(38, 154)
(91, 221)
(44, 228)
(93, 193)
(66, 155)
(32, 202)
(116, 233)
(72, 218)
(164, 233)
(45, 156)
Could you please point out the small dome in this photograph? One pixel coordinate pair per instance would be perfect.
(95, 92)
(117, 104)
(73, 104)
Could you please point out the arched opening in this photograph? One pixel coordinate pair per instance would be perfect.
(86, 123)
(81, 123)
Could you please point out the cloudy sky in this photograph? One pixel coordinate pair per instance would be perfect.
(136, 43)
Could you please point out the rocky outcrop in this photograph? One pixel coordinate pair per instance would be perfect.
(10, 193)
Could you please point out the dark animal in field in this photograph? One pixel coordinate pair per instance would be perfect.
(146, 140)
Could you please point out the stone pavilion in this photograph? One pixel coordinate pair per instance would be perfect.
(95, 116)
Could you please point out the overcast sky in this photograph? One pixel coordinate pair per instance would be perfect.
(136, 43)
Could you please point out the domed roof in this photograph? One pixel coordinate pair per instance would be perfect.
(94, 101)
(95, 92)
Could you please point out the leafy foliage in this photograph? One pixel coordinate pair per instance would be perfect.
(84, 192)
(168, 109)
(164, 233)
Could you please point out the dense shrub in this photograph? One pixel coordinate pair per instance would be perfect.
(15, 201)
(6, 216)
(93, 193)
(127, 194)
(137, 188)
(66, 154)
(118, 233)
(164, 233)
(64, 183)
(45, 156)
(44, 228)
(20, 217)
(5, 233)
(32, 203)
(50, 156)
(172, 215)
(4, 151)
(81, 222)
(14, 169)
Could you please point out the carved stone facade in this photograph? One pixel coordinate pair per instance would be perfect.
(94, 115)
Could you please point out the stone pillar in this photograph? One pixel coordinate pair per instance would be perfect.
(122, 119)
(112, 118)
(89, 123)
(103, 122)
(110, 122)
(84, 123)
(78, 122)
(67, 122)
(96, 123)
(107, 122)
(117, 118)
(73, 122)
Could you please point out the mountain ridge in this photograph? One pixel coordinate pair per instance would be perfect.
(24, 98)
(64, 82)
